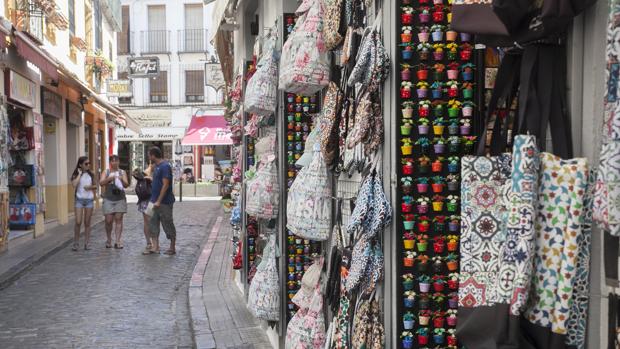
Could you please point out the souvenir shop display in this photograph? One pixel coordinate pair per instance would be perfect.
(261, 91)
(21, 175)
(438, 94)
(264, 293)
(5, 164)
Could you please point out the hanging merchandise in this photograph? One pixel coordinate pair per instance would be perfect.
(606, 203)
(368, 331)
(5, 156)
(309, 201)
(305, 63)
(330, 121)
(331, 23)
(21, 211)
(311, 139)
(264, 293)
(263, 192)
(262, 88)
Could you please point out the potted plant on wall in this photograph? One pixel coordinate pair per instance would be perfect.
(425, 14)
(424, 283)
(408, 221)
(424, 317)
(467, 71)
(423, 204)
(423, 263)
(438, 203)
(439, 145)
(453, 203)
(423, 333)
(424, 34)
(453, 144)
(452, 340)
(454, 224)
(439, 126)
(405, 128)
(439, 336)
(453, 281)
(437, 165)
(437, 264)
(423, 126)
(453, 127)
(424, 163)
(408, 282)
(422, 184)
(454, 108)
(438, 13)
(408, 241)
(405, 89)
(405, 72)
(438, 108)
(439, 318)
(465, 126)
(452, 262)
(439, 299)
(468, 143)
(453, 88)
(407, 204)
(409, 299)
(424, 50)
(466, 52)
(406, 15)
(406, 34)
(438, 184)
(468, 90)
(407, 166)
(406, 148)
(406, 185)
(423, 224)
(437, 32)
(436, 90)
(409, 258)
(408, 321)
(424, 107)
(438, 51)
(424, 144)
(407, 52)
(422, 242)
(439, 223)
(424, 302)
(453, 181)
(422, 89)
(99, 65)
(453, 300)
(453, 71)
(407, 339)
(407, 109)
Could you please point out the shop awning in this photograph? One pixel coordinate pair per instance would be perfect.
(219, 10)
(29, 50)
(208, 128)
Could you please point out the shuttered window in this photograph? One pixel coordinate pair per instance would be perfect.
(194, 86)
(157, 35)
(124, 38)
(98, 24)
(194, 37)
(71, 6)
(159, 88)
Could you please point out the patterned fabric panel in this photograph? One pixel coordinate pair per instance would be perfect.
(563, 184)
(484, 191)
(577, 323)
(517, 251)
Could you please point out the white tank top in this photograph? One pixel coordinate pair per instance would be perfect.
(85, 181)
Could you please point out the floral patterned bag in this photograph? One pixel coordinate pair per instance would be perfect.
(262, 88)
(264, 293)
(329, 124)
(305, 62)
(262, 197)
(309, 203)
(331, 25)
(306, 330)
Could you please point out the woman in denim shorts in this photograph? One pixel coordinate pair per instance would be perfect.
(83, 181)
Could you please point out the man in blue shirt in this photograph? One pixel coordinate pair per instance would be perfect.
(162, 199)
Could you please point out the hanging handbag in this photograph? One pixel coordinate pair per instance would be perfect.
(22, 211)
(237, 262)
(330, 119)
(313, 137)
(262, 197)
(264, 292)
(305, 62)
(309, 202)
(262, 89)
(21, 175)
(331, 23)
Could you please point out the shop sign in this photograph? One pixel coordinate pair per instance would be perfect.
(150, 134)
(74, 114)
(21, 90)
(151, 117)
(214, 76)
(119, 88)
(141, 67)
(51, 103)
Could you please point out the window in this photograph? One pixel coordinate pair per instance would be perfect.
(72, 17)
(98, 32)
(194, 86)
(159, 88)
(88, 25)
(194, 34)
(123, 38)
(157, 36)
(124, 100)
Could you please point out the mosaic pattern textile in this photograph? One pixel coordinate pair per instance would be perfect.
(559, 220)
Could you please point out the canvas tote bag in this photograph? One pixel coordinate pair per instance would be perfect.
(262, 88)
(264, 293)
(263, 192)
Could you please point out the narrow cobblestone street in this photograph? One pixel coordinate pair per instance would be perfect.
(107, 298)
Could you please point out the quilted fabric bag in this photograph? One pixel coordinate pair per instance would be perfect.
(559, 222)
(262, 89)
(309, 203)
(264, 293)
(607, 194)
(305, 63)
(306, 330)
(262, 197)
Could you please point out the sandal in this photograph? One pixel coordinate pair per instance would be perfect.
(170, 252)
(149, 252)
(86, 247)
(108, 245)
(75, 247)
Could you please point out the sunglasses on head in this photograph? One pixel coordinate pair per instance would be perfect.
(87, 164)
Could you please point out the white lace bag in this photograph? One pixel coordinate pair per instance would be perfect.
(262, 89)
(309, 204)
(305, 63)
(262, 196)
(264, 293)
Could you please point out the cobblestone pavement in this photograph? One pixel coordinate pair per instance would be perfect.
(107, 298)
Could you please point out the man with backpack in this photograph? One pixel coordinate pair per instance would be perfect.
(143, 191)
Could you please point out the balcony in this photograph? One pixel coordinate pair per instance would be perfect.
(192, 40)
(125, 43)
(30, 21)
(155, 41)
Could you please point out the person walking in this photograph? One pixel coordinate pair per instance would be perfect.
(162, 200)
(114, 201)
(83, 181)
(143, 191)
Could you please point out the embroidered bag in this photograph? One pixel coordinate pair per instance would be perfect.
(368, 330)
(263, 197)
(331, 24)
(264, 292)
(606, 201)
(305, 63)
(330, 119)
(563, 185)
(262, 88)
(306, 329)
(309, 203)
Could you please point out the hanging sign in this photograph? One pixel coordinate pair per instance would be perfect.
(51, 103)
(214, 76)
(119, 88)
(74, 114)
(21, 90)
(141, 67)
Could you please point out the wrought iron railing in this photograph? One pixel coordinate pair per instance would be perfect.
(192, 40)
(29, 20)
(155, 41)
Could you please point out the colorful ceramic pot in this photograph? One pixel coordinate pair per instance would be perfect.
(423, 129)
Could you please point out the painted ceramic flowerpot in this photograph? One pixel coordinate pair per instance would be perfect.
(453, 74)
(407, 189)
(407, 343)
(424, 17)
(465, 37)
(437, 267)
(453, 284)
(465, 130)
(452, 341)
(424, 169)
(439, 148)
(408, 324)
(422, 93)
(423, 55)
(425, 303)
(405, 75)
(453, 112)
(408, 244)
(291, 306)
(408, 262)
(422, 209)
(438, 130)
(291, 268)
(452, 206)
(406, 208)
(437, 187)
(423, 268)
(423, 37)
(438, 16)
(437, 75)
(423, 112)
(423, 227)
(407, 113)
(407, 169)
(436, 166)
(405, 93)
(465, 55)
(453, 147)
(467, 148)
(468, 93)
(299, 99)
(422, 246)
(437, 206)
(407, 54)
(451, 35)
(453, 227)
(453, 129)
(468, 111)
(439, 287)
(453, 303)
(408, 225)
(409, 302)
(406, 149)
(424, 320)
(406, 18)
(439, 247)
(453, 186)
(422, 339)
(405, 130)
(290, 98)
(422, 187)
(436, 93)
(423, 129)
(408, 285)
(453, 92)
(439, 338)
(438, 322)
(439, 228)
(405, 38)
(452, 245)
(437, 36)
(438, 55)
(452, 265)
